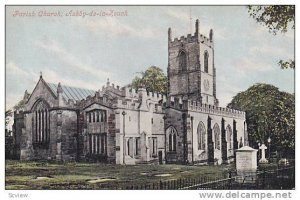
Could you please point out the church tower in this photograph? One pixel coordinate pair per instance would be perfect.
(191, 70)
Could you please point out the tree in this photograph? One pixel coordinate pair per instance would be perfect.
(8, 114)
(269, 113)
(20, 105)
(276, 18)
(153, 79)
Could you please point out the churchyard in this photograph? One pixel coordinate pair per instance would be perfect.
(42, 175)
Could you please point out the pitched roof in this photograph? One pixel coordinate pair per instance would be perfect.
(72, 93)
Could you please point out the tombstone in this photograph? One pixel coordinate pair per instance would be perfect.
(246, 160)
(263, 154)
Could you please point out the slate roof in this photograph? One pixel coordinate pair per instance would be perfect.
(72, 93)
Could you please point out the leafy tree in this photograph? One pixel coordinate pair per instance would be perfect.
(153, 79)
(276, 18)
(20, 105)
(269, 113)
(8, 114)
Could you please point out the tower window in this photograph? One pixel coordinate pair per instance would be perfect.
(206, 62)
(182, 61)
(172, 138)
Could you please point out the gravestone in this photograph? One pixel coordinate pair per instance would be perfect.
(263, 154)
(246, 160)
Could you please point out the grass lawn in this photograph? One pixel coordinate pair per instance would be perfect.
(40, 175)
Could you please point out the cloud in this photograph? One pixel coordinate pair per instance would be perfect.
(53, 77)
(179, 14)
(114, 26)
(247, 64)
(15, 70)
(271, 51)
(226, 89)
(69, 60)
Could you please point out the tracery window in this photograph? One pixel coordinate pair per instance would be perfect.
(217, 136)
(41, 123)
(229, 137)
(201, 133)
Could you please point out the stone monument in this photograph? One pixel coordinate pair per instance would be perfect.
(263, 154)
(246, 160)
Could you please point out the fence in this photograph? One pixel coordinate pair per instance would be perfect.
(283, 178)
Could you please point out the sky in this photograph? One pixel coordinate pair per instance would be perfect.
(85, 51)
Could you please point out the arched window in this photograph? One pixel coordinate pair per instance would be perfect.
(98, 117)
(206, 62)
(216, 130)
(171, 132)
(201, 133)
(182, 61)
(229, 137)
(41, 123)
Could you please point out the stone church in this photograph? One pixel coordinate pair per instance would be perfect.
(123, 126)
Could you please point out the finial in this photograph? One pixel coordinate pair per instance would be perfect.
(107, 83)
(41, 74)
(26, 95)
(197, 28)
(190, 18)
(211, 35)
(169, 34)
(59, 88)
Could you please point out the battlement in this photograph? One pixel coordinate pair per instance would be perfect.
(113, 88)
(135, 104)
(183, 104)
(196, 37)
(130, 92)
(177, 41)
(142, 93)
(206, 40)
(99, 97)
(204, 108)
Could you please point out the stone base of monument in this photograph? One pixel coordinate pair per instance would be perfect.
(246, 177)
(263, 160)
(246, 165)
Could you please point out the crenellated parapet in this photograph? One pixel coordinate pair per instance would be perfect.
(209, 109)
(180, 103)
(176, 102)
(141, 92)
(206, 40)
(195, 38)
(100, 98)
(183, 39)
(115, 89)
